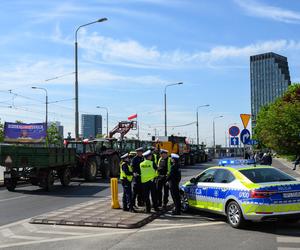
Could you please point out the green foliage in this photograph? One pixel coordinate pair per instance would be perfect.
(99, 136)
(53, 137)
(278, 124)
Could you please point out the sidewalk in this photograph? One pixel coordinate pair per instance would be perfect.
(97, 214)
(289, 165)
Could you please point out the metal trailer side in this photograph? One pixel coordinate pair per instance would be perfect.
(36, 165)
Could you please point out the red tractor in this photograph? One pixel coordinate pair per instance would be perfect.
(94, 158)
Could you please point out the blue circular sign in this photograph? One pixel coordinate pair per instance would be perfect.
(234, 131)
(245, 136)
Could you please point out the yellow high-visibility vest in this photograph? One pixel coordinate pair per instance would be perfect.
(123, 174)
(148, 172)
(169, 164)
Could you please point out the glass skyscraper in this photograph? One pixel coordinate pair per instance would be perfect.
(91, 125)
(270, 78)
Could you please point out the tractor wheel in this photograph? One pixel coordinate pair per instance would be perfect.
(91, 170)
(114, 165)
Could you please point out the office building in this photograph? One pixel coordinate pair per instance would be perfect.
(270, 78)
(91, 125)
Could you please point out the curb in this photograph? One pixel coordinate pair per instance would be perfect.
(110, 218)
(288, 164)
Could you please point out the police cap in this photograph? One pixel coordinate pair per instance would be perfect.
(174, 156)
(140, 149)
(163, 151)
(147, 153)
(125, 156)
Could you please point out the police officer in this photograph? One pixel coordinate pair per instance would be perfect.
(126, 175)
(163, 169)
(137, 189)
(155, 155)
(174, 178)
(148, 175)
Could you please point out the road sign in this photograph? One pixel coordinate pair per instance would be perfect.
(245, 119)
(234, 141)
(245, 136)
(234, 131)
(253, 142)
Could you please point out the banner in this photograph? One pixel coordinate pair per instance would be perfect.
(24, 133)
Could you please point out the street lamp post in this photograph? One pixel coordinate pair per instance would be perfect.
(197, 124)
(214, 132)
(99, 107)
(46, 104)
(165, 95)
(76, 75)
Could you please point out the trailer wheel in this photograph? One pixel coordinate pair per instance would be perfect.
(91, 170)
(11, 184)
(48, 181)
(114, 165)
(65, 177)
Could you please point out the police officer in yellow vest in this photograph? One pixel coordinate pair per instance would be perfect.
(148, 175)
(163, 169)
(126, 175)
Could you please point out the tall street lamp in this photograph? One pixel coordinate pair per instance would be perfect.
(173, 84)
(197, 124)
(46, 104)
(76, 75)
(214, 132)
(99, 107)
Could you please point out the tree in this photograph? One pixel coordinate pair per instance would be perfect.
(53, 136)
(278, 124)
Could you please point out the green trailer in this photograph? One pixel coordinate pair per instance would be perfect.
(36, 165)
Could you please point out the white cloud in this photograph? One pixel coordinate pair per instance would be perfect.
(131, 53)
(255, 8)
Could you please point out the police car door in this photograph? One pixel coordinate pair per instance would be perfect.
(217, 190)
(203, 181)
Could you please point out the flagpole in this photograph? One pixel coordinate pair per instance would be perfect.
(138, 127)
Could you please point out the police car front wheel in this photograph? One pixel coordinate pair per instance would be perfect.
(235, 215)
(184, 202)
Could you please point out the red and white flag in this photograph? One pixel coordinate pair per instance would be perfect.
(132, 117)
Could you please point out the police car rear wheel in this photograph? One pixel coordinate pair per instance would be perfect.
(235, 215)
(184, 202)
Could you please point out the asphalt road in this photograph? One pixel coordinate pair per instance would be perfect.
(196, 230)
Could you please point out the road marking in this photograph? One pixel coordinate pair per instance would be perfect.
(288, 239)
(7, 233)
(14, 198)
(14, 223)
(288, 248)
(120, 232)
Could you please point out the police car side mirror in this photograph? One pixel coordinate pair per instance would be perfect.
(193, 180)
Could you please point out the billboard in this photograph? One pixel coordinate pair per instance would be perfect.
(24, 132)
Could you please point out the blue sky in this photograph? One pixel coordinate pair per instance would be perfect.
(125, 63)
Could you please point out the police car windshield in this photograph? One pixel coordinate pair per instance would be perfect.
(261, 175)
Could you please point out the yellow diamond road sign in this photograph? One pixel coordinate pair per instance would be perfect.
(245, 119)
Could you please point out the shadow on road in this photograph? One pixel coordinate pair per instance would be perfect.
(74, 191)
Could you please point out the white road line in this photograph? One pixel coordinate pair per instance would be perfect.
(14, 198)
(288, 248)
(164, 224)
(288, 239)
(14, 223)
(59, 232)
(128, 231)
(7, 233)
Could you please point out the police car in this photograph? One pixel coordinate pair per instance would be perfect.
(243, 192)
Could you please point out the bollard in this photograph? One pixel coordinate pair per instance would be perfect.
(114, 193)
